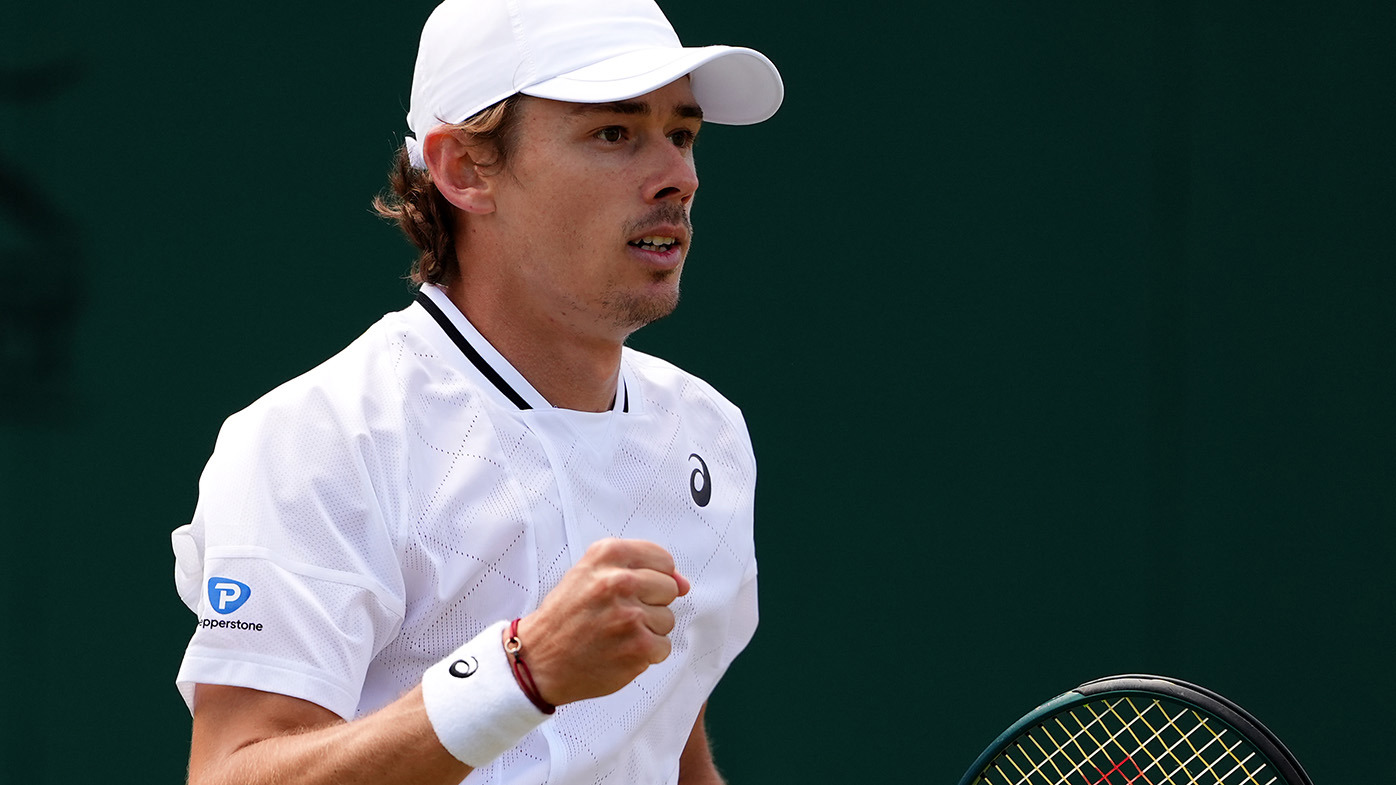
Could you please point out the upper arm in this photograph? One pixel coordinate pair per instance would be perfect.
(227, 719)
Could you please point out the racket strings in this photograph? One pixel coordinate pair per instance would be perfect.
(1117, 741)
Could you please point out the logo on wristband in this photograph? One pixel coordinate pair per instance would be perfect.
(464, 669)
(226, 595)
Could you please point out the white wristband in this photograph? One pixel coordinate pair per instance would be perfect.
(474, 703)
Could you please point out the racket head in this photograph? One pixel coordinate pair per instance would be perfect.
(1137, 728)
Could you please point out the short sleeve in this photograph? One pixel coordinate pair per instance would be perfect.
(291, 560)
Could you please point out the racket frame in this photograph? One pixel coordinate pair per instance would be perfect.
(1145, 685)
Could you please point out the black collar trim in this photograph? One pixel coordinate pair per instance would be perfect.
(474, 356)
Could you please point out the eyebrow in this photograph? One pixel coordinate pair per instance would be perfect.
(634, 108)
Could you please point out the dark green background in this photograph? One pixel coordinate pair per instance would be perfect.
(1064, 332)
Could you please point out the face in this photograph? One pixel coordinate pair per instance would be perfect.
(590, 224)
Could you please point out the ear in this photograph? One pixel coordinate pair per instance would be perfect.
(455, 172)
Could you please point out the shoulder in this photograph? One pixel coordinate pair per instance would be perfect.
(330, 429)
(330, 455)
(665, 382)
(348, 379)
(353, 426)
(370, 386)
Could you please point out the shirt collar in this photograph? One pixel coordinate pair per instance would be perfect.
(496, 370)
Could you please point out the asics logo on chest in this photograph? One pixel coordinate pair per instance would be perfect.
(700, 482)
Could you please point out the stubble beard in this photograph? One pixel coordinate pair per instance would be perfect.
(630, 311)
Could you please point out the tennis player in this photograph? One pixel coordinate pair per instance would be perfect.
(487, 542)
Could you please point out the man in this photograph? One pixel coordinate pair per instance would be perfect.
(486, 542)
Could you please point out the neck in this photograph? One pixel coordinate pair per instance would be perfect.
(570, 370)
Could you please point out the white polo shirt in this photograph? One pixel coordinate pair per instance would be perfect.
(360, 522)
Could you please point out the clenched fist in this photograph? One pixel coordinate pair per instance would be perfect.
(607, 620)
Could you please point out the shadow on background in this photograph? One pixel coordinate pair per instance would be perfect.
(1063, 332)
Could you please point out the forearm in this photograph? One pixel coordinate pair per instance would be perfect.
(696, 765)
(393, 745)
(702, 775)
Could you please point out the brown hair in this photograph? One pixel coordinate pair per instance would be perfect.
(423, 214)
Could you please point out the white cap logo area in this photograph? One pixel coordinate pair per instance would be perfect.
(226, 595)
(476, 53)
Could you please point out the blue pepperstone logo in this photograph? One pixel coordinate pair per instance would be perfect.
(226, 595)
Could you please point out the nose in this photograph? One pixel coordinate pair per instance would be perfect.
(675, 176)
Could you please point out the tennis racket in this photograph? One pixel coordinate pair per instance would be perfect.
(1149, 730)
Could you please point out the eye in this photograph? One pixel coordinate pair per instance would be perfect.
(611, 133)
(683, 138)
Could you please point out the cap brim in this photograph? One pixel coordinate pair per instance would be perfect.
(733, 85)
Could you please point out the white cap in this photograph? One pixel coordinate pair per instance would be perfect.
(476, 53)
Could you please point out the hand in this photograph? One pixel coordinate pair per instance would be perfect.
(607, 620)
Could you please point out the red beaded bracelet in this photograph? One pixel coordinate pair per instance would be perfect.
(522, 674)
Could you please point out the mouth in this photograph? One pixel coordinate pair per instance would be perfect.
(660, 239)
(654, 243)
